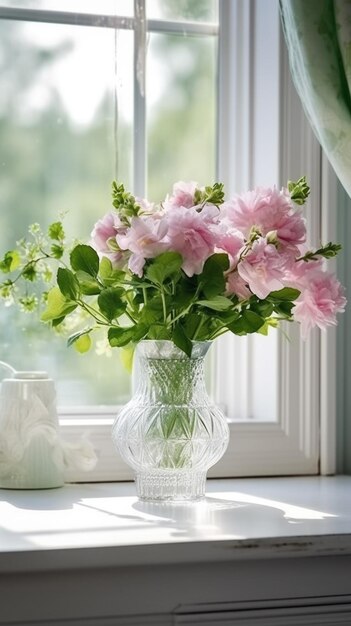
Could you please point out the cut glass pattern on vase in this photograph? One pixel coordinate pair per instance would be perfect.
(170, 433)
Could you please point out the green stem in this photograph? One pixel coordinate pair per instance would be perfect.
(94, 313)
(28, 264)
(172, 309)
(130, 317)
(185, 312)
(243, 254)
(164, 306)
(198, 328)
(219, 332)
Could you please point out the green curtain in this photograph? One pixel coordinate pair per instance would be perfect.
(318, 36)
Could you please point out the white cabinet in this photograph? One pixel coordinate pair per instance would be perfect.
(267, 552)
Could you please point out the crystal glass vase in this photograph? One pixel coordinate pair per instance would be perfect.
(170, 433)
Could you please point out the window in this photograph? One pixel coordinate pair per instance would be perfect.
(93, 95)
(69, 84)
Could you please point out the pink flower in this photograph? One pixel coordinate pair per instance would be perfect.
(193, 235)
(299, 273)
(145, 205)
(321, 298)
(231, 241)
(103, 237)
(268, 210)
(236, 285)
(145, 239)
(105, 229)
(183, 195)
(263, 268)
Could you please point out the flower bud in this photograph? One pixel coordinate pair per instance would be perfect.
(272, 238)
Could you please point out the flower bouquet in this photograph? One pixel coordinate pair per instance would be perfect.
(172, 277)
(191, 268)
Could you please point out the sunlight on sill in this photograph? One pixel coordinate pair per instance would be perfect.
(290, 511)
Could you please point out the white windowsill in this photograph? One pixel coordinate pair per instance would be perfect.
(103, 524)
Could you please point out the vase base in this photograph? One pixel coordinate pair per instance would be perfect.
(168, 485)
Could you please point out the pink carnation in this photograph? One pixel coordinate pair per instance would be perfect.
(105, 229)
(269, 210)
(104, 234)
(231, 241)
(193, 235)
(145, 239)
(263, 268)
(321, 298)
(145, 205)
(183, 195)
(236, 285)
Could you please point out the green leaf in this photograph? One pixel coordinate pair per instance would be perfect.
(264, 329)
(89, 286)
(57, 251)
(185, 292)
(73, 338)
(153, 311)
(67, 283)
(226, 316)
(299, 190)
(110, 303)
(57, 306)
(56, 232)
(262, 307)
(83, 344)
(238, 327)
(248, 323)
(191, 323)
(288, 293)
(328, 251)
(212, 277)
(10, 262)
(105, 267)
(284, 309)
(29, 272)
(164, 266)
(56, 322)
(124, 202)
(214, 194)
(119, 337)
(81, 340)
(217, 303)
(85, 258)
(181, 340)
(108, 275)
(269, 323)
(158, 331)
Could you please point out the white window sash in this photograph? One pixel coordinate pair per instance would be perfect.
(118, 22)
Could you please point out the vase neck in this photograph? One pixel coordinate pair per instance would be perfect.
(171, 380)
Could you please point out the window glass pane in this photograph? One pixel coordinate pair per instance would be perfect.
(181, 84)
(100, 7)
(191, 10)
(58, 129)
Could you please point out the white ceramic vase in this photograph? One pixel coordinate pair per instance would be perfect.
(30, 448)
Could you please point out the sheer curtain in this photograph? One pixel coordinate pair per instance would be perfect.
(318, 37)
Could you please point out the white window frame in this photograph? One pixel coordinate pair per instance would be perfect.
(302, 440)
